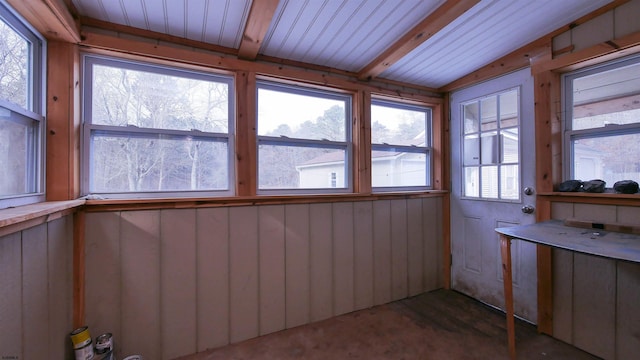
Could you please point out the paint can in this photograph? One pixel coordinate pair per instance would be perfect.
(104, 343)
(82, 346)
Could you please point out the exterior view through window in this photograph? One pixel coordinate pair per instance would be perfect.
(401, 145)
(303, 139)
(491, 147)
(21, 109)
(603, 122)
(152, 129)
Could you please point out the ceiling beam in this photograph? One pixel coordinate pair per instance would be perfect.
(429, 26)
(50, 17)
(260, 16)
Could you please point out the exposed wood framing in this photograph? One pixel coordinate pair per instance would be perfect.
(361, 125)
(260, 16)
(50, 17)
(436, 21)
(246, 143)
(442, 166)
(63, 121)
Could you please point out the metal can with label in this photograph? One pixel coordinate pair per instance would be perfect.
(104, 343)
(82, 346)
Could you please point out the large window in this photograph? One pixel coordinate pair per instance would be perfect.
(400, 146)
(21, 111)
(602, 122)
(304, 138)
(155, 131)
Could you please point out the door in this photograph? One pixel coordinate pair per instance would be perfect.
(493, 173)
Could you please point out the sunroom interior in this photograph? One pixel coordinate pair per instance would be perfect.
(208, 172)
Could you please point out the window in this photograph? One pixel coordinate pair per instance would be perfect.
(21, 111)
(303, 137)
(400, 146)
(155, 131)
(602, 122)
(491, 147)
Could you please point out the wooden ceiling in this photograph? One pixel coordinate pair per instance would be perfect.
(428, 43)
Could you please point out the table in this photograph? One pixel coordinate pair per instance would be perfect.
(554, 233)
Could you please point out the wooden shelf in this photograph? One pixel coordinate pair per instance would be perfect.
(21, 217)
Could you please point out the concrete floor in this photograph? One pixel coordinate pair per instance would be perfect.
(436, 325)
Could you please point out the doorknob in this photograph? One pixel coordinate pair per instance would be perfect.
(528, 209)
(528, 191)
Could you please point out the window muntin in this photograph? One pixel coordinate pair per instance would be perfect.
(304, 135)
(155, 131)
(602, 122)
(491, 147)
(400, 146)
(21, 111)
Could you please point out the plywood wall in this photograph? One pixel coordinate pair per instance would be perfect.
(596, 305)
(168, 283)
(36, 292)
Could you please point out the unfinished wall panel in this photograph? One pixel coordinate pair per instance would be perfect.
(627, 310)
(11, 300)
(320, 261)
(213, 276)
(59, 271)
(141, 268)
(297, 264)
(271, 228)
(35, 294)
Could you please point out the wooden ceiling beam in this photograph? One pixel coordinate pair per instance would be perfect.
(429, 26)
(260, 16)
(51, 18)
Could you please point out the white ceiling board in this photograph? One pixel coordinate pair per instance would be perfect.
(490, 30)
(343, 34)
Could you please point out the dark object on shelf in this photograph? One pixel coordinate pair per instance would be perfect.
(626, 187)
(594, 186)
(570, 186)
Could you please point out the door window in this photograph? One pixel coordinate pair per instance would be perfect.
(491, 147)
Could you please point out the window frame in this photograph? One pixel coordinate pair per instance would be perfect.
(347, 145)
(570, 135)
(33, 116)
(427, 149)
(88, 59)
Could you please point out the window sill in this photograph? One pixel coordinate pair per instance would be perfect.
(186, 203)
(22, 217)
(606, 198)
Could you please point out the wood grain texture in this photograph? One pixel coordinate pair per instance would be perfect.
(213, 277)
(271, 228)
(256, 27)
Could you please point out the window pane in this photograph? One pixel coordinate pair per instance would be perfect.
(145, 164)
(471, 117)
(17, 156)
(398, 126)
(610, 158)
(395, 169)
(509, 182)
(125, 97)
(489, 108)
(471, 150)
(472, 181)
(489, 148)
(489, 182)
(297, 167)
(301, 116)
(510, 146)
(509, 109)
(607, 97)
(14, 66)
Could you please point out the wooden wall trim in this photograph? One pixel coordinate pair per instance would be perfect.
(260, 17)
(361, 126)
(150, 49)
(245, 135)
(20, 214)
(50, 17)
(588, 198)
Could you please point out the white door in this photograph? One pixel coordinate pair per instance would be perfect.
(492, 139)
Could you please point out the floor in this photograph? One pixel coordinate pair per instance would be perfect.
(437, 325)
